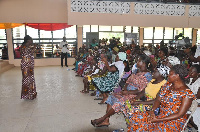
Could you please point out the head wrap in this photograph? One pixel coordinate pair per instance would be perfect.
(122, 56)
(173, 60)
(146, 52)
(116, 49)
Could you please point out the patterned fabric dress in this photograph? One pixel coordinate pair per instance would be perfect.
(150, 94)
(28, 80)
(170, 104)
(106, 83)
(136, 81)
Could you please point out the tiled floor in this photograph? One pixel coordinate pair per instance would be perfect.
(59, 106)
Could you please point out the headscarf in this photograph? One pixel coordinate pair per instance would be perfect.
(173, 60)
(122, 56)
(116, 49)
(146, 52)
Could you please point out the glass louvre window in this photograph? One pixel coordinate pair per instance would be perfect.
(94, 28)
(128, 29)
(3, 44)
(117, 28)
(188, 32)
(109, 35)
(86, 28)
(32, 32)
(70, 32)
(48, 41)
(168, 33)
(45, 34)
(177, 31)
(58, 34)
(148, 33)
(136, 30)
(104, 28)
(19, 32)
(198, 36)
(158, 33)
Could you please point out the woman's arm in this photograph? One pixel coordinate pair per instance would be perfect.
(198, 94)
(150, 102)
(185, 105)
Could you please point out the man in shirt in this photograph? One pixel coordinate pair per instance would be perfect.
(64, 50)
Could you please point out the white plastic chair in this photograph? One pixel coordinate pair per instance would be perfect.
(192, 110)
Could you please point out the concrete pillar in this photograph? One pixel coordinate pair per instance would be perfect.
(141, 36)
(194, 37)
(80, 36)
(10, 46)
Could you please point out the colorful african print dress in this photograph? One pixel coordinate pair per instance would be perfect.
(170, 104)
(137, 81)
(106, 83)
(28, 80)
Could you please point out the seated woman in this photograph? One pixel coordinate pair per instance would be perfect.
(93, 71)
(173, 101)
(115, 71)
(194, 85)
(134, 85)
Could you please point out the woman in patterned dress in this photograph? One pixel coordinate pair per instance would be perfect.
(107, 83)
(134, 85)
(173, 102)
(27, 67)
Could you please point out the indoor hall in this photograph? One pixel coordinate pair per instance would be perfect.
(59, 106)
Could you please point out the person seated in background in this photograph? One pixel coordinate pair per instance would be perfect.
(94, 70)
(194, 85)
(169, 109)
(193, 54)
(134, 85)
(17, 52)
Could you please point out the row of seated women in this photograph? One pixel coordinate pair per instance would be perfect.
(148, 101)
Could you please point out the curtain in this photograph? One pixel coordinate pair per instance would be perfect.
(48, 26)
(9, 25)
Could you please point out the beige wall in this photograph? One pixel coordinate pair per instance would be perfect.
(81, 18)
(33, 11)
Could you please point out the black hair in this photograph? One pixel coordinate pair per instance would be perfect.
(147, 61)
(164, 50)
(127, 68)
(26, 38)
(181, 69)
(197, 67)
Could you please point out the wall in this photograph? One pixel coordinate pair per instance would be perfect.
(132, 19)
(33, 11)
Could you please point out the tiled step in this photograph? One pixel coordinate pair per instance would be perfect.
(5, 66)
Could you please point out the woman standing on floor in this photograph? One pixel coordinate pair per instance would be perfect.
(27, 67)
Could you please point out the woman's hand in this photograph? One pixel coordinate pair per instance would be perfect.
(124, 92)
(104, 59)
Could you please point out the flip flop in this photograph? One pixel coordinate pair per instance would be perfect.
(98, 99)
(82, 91)
(101, 103)
(93, 123)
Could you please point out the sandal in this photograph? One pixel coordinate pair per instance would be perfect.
(82, 91)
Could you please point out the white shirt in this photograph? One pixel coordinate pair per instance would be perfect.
(120, 66)
(64, 48)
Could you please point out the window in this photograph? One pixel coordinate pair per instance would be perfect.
(47, 41)
(188, 32)
(3, 44)
(86, 28)
(178, 31)
(94, 28)
(117, 28)
(148, 33)
(104, 28)
(198, 36)
(158, 33)
(168, 33)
